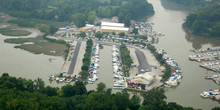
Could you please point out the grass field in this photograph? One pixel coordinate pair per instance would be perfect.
(10, 32)
(40, 46)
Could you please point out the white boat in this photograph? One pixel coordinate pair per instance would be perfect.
(167, 86)
(68, 81)
(118, 87)
(204, 94)
(117, 76)
(61, 79)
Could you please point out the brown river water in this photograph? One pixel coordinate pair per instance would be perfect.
(177, 43)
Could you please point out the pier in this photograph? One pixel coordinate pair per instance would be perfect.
(211, 49)
(211, 57)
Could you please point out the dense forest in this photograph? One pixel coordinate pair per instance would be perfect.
(205, 21)
(23, 94)
(189, 2)
(78, 11)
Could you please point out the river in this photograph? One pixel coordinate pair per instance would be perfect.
(177, 43)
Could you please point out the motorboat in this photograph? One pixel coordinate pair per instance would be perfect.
(204, 94)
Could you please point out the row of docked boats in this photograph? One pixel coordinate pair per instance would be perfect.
(170, 61)
(119, 82)
(210, 56)
(214, 66)
(174, 80)
(213, 94)
(176, 75)
(212, 76)
(210, 63)
(215, 78)
(93, 68)
(212, 49)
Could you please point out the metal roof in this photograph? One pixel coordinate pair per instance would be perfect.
(114, 28)
(112, 24)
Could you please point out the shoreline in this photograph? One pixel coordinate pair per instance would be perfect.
(188, 31)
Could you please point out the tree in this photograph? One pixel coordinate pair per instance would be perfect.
(39, 84)
(79, 19)
(99, 101)
(84, 74)
(91, 17)
(216, 108)
(82, 34)
(121, 35)
(68, 90)
(52, 29)
(50, 91)
(99, 35)
(101, 87)
(5, 74)
(121, 100)
(80, 88)
(154, 96)
(134, 102)
(135, 31)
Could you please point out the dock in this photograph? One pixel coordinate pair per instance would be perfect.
(213, 66)
(211, 56)
(211, 49)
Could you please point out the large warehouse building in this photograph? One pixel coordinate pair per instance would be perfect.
(114, 27)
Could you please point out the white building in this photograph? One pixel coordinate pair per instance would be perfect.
(145, 79)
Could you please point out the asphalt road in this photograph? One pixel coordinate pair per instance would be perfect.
(142, 61)
(73, 62)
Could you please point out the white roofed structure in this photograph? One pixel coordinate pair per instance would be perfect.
(110, 24)
(146, 78)
(114, 29)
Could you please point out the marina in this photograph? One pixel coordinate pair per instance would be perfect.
(193, 76)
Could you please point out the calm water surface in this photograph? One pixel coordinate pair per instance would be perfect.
(178, 43)
(20, 63)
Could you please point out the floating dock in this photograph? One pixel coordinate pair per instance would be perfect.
(211, 49)
(214, 66)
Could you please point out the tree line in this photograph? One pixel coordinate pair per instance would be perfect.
(78, 11)
(125, 58)
(20, 93)
(86, 59)
(189, 2)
